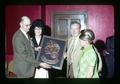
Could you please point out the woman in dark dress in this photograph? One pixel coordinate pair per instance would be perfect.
(36, 33)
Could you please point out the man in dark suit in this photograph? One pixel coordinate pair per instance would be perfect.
(110, 56)
(24, 62)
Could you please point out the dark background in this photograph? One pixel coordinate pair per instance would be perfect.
(65, 2)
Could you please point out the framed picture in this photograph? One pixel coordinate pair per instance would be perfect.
(52, 50)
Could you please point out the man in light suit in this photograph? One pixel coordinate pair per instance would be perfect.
(24, 62)
(73, 48)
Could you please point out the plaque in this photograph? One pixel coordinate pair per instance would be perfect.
(51, 52)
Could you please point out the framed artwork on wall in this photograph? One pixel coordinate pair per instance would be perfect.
(61, 22)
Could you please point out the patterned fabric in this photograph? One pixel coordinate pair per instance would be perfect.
(87, 58)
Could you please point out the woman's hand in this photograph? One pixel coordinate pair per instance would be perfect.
(45, 65)
(37, 48)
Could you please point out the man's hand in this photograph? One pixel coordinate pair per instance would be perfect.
(45, 65)
(105, 52)
(65, 55)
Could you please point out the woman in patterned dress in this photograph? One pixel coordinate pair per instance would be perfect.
(89, 63)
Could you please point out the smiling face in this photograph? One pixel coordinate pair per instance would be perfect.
(75, 29)
(38, 31)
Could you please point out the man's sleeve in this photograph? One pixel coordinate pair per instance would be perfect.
(21, 51)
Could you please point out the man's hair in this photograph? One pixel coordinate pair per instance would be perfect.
(75, 22)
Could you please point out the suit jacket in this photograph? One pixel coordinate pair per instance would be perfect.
(24, 61)
(75, 54)
(35, 42)
(110, 45)
(110, 57)
(110, 49)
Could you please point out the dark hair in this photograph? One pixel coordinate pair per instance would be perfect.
(75, 22)
(37, 23)
(87, 34)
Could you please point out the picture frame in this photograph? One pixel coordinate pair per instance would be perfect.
(52, 51)
(61, 22)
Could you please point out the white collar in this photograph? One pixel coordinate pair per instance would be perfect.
(38, 39)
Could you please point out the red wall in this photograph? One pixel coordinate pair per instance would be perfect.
(100, 17)
(12, 18)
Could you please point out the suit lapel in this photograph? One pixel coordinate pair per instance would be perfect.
(35, 42)
(23, 36)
